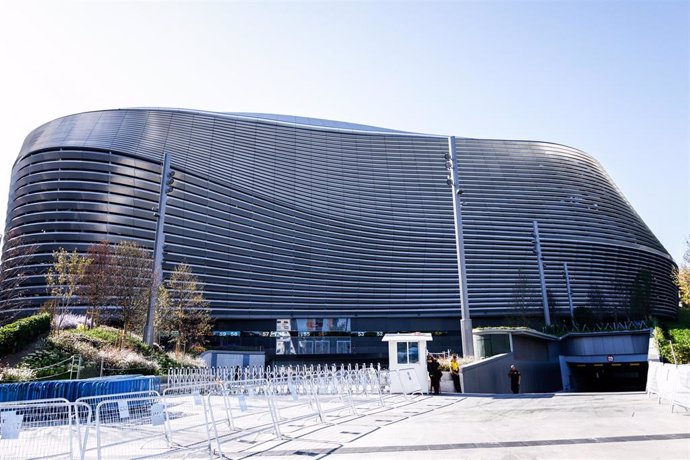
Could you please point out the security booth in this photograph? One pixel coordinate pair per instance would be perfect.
(407, 362)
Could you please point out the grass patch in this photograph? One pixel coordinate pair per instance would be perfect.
(106, 346)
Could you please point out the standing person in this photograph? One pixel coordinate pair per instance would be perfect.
(455, 372)
(515, 377)
(434, 370)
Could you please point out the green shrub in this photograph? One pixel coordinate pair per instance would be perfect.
(681, 344)
(120, 355)
(48, 361)
(680, 337)
(19, 334)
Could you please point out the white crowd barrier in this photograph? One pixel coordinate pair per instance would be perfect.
(193, 376)
(201, 413)
(52, 428)
(407, 381)
(189, 408)
(669, 383)
(132, 427)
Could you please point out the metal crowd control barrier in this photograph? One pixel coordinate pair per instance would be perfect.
(248, 410)
(191, 376)
(296, 398)
(132, 427)
(217, 417)
(681, 393)
(93, 401)
(285, 405)
(52, 428)
(189, 411)
(669, 382)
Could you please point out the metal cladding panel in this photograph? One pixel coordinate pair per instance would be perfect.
(290, 219)
(584, 221)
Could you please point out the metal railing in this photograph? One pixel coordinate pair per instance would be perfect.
(669, 383)
(214, 412)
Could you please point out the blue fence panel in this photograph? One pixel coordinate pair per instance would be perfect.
(74, 389)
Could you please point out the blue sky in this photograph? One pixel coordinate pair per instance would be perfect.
(611, 78)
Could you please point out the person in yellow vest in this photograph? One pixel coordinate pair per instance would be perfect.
(455, 372)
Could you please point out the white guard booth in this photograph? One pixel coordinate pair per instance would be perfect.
(407, 362)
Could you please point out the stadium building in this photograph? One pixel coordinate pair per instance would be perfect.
(317, 237)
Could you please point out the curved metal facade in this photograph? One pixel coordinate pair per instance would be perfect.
(584, 221)
(285, 217)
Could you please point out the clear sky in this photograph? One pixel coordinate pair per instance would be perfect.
(611, 78)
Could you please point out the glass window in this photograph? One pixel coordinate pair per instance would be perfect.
(402, 352)
(413, 352)
(306, 346)
(322, 347)
(408, 352)
(342, 346)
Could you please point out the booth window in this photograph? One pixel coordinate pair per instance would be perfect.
(408, 352)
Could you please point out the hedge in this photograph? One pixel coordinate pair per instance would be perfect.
(680, 337)
(19, 334)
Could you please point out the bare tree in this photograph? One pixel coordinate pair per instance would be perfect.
(63, 281)
(596, 301)
(15, 271)
(132, 274)
(188, 308)
(164, 316)
(681, 276)
(641, 294)
(98, 283)
(620, 300)
(525, 297)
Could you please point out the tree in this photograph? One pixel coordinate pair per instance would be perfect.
(525, 297)
(189, 311)
(132, 277)
(552, 302)
(641, 295)
(620, 299)
(597, 301)
(681, 276)
(98, 283)
(15, 273)
(164, 318)
(63, 282)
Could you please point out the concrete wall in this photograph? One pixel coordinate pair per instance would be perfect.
(608, 344)
(491, 375)
(527, 348)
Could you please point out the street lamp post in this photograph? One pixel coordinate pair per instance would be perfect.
(542, 281)
(166, 182)
(570, 292)
(453, 181)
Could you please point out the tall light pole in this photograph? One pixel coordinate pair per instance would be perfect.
(166, 183)
(453, 181)
(542, 281)
(570, 292)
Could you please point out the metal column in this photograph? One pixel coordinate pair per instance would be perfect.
(465, 321)
(537, 247)
(158, 250)
(570, 293)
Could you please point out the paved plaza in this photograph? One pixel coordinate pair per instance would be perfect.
(548, 426)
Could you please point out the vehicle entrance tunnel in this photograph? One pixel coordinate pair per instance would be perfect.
(597, 377)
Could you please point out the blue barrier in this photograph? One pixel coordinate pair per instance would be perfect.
(74, 389)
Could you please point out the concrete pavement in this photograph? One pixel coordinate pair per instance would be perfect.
(538, 426)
